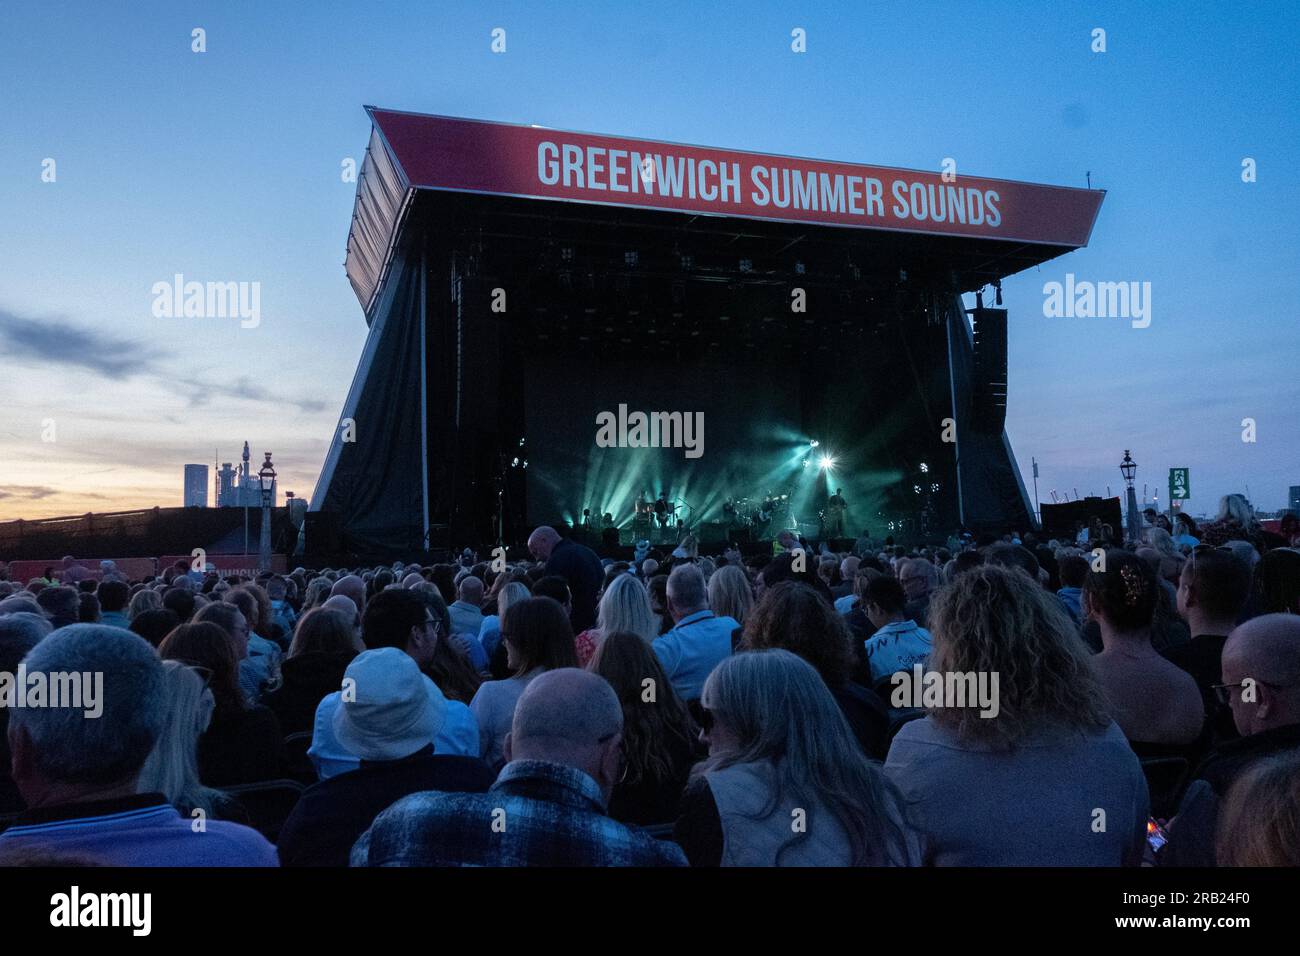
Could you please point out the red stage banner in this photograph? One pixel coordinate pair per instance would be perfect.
(136, 569)
(245, 564)
(133, 568)
(462, 155)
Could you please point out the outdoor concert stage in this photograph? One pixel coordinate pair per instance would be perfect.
(530, 291)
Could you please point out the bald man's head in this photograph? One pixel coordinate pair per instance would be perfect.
(571, 717)
(1261, 663)
(471, 590)
(542, 541)
(344, 606)
(352, 587)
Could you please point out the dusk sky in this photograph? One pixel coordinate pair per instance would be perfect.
(225, 166)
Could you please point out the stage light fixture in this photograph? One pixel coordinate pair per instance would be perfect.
(746, 265)
(924, 468)
(805, 462)
(998, 288)
(827, 462)
(630, 258)
(814, 443)
(799, 268)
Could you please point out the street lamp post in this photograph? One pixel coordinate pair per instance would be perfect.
(1128, 468)
(266, 476)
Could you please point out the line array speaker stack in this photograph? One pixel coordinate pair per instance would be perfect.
(990, 392)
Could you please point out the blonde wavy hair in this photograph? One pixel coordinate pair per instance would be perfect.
(730, 593)
(994, 619)
(1259, 823)
(1160, 540)
(625, 606)
(142, 601)
(172, 767)
(812, 761)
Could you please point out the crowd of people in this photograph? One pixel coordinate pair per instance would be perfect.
(1142, 707)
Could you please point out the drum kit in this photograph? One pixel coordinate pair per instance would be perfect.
(754, 512)
(660, 519)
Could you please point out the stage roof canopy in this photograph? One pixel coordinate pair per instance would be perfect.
(959, 232)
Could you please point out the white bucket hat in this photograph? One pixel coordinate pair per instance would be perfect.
(389, 709)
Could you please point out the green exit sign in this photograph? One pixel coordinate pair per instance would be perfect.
(1179, 484)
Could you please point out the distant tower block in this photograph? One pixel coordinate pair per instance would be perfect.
(226, 481)
(196, 486)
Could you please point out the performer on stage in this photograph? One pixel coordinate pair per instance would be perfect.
(608, 530)
(662, 511)
(835, 508)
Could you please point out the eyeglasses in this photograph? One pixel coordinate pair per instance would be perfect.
(1224, 693)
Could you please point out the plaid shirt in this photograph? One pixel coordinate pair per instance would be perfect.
(536, 814)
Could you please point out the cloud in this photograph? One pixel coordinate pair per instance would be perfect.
(200, 392)
(55, 342)
(30, 492)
